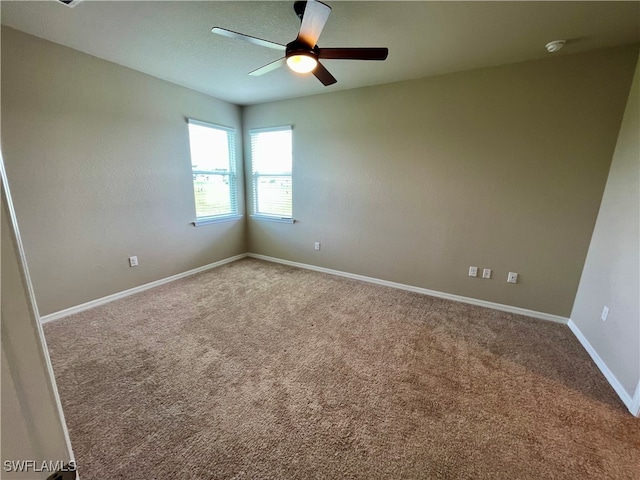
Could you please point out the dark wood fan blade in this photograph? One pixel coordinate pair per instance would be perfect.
(268, 67)
(313, 20)
(323, 75)
(247, 38)
(353, 53)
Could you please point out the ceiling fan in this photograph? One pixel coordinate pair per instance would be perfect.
(303, 55)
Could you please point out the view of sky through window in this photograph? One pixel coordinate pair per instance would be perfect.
(209, 148)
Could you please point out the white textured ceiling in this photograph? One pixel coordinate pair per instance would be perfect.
(173, 41)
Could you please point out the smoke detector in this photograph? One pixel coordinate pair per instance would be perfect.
(555, 45)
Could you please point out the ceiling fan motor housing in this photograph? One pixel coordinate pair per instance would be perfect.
(299, 7)
(301, 58)
(299, 48)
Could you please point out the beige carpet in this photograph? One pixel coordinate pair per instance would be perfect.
(258, 370)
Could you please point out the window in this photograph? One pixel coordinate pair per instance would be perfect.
(271, 165)
(213, 163)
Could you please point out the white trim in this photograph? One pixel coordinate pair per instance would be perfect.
(424, 291)
(110, 298)
(201, 123)
(631, 403)
(635, 401)
(281, 128)
(220, 218)
(272, 218)
(32, 306)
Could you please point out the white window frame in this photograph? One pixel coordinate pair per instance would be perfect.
(254, 178)
(230, 173)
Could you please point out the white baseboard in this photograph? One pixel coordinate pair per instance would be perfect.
(424, 291)
(131, 291)
(632, 403)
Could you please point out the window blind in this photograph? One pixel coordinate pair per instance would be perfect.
(213, 166)
(271, 168)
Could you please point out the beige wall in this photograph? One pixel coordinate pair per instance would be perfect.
(414, 182)
(97, 156)
(611, 274)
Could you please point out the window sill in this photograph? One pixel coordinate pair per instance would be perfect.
(223, 218)
(269, 218)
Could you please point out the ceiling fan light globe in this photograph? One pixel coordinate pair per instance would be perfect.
(302, 63)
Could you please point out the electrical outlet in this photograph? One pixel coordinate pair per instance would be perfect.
(605, 313)
(133, 261)
(486, 273)
(317, 246)
(473, 271)
(512, 277)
